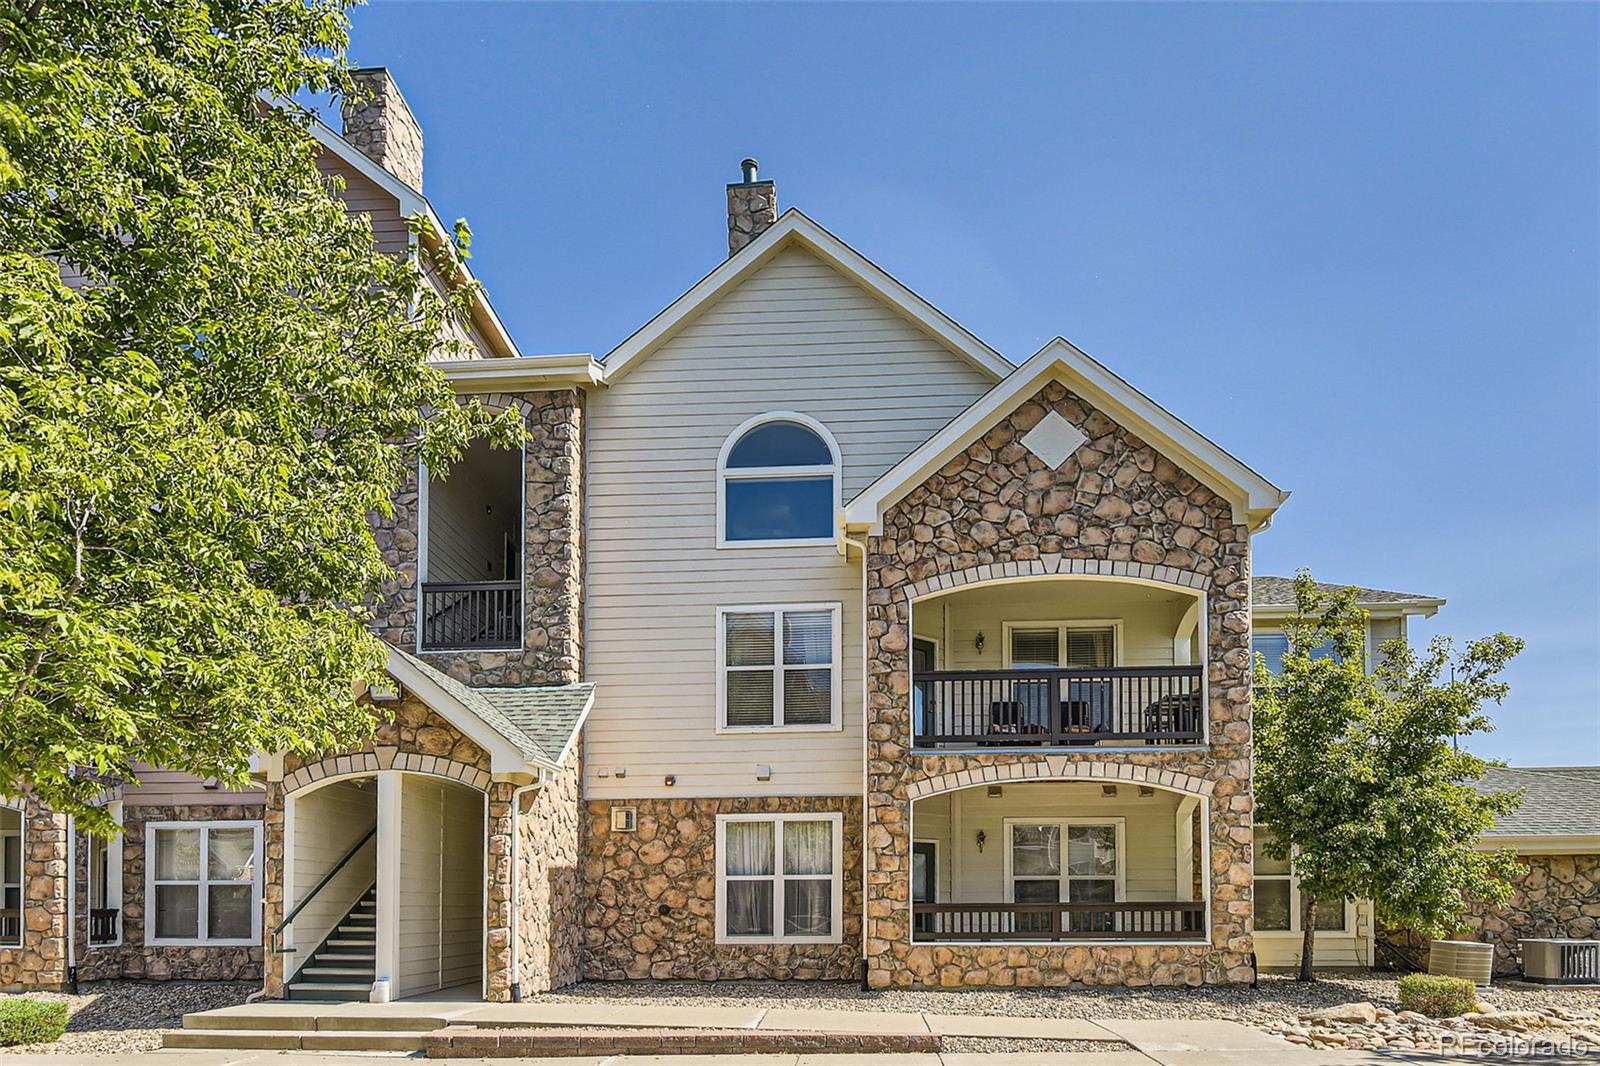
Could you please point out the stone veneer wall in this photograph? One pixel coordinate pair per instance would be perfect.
(552, 557)
(133, 958)
(409, 737)
(41, 962)
(996, 510)
(752, 209)
(650, 895)
(1554, 896)
(549, 926)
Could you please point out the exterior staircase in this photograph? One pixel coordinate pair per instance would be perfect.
(342, 967)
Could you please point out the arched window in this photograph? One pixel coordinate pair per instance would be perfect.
(778, 483)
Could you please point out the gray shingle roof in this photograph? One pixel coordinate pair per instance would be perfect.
(1279, 592)
(1556, 800)
(538, 720)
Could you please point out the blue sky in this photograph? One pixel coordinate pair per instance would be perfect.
(1358, 245)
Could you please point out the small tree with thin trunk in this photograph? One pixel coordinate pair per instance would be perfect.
(1360, 774)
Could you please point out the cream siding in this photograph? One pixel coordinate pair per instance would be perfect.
(1276, 950)
(1149, 859)
(174, 788)
(441, 885)
(363, 196)
(796, 336)
(327, 824)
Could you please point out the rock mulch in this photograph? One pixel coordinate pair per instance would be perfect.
(1274, 1006)
(1362, 1026)
(117, 1017)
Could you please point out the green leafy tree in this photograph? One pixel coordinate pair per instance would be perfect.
(209, 380)
(1361, 777)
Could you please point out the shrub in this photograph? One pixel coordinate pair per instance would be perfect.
(31, 1021)
(1437, 995)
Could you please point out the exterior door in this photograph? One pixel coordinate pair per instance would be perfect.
(924, 881)
(924, 657)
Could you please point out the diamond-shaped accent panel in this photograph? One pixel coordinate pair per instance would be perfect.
(1054, 439)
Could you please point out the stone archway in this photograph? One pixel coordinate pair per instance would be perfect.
(1060, 768)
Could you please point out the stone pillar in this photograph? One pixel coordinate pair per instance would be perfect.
(378, 121)
(752, 208)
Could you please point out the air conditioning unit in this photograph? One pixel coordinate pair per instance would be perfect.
(1472, 959)
(624, 819)
(1561, 962)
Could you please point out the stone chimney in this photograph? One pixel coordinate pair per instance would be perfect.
(378, 121)
(752, 207)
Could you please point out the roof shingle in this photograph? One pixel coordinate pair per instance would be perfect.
(1556, 800)
(1279, 592)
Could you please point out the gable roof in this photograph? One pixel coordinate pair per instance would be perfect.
(1275, 595)
(412, 202)
(1254, 498)
(1560, 806)
(795, 228)
(534, 725)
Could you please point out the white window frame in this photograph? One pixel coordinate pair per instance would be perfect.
(1296, 929)
(1118, 822)
(21, 883)
(767, 473)
(836, 721)
(1062, 628)
(203, 883)
(777, 877)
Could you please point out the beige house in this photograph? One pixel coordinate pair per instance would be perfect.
(808, 637)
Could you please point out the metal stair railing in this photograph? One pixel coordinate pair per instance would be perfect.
(277, 933)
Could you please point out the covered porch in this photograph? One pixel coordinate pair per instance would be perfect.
(1065, 661)
(1058, 862)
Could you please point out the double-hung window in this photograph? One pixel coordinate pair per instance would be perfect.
(11, 877)
(1278, 895)
(778, 667)
(203, 882)
(780, 878)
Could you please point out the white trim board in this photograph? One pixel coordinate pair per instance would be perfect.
(1253, 497)
(504, 756)
(794, 227)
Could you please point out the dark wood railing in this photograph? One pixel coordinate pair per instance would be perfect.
(1058, 921)
(103, 926)
(463, 615)
(10, 927)
(1057, 708)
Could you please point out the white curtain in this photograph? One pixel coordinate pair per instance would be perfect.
(749, 851)
(808, 901)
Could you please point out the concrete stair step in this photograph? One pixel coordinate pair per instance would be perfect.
(311, 1020)
(293, 1040)
(465, 1041)
(342, 973)
(331, 991)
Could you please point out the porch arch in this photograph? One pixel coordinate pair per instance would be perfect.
(1060, 769)
(366, 763)
(1054, 566)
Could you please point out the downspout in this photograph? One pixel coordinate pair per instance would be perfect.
(515, 983)
(845, 543)
(72, 905)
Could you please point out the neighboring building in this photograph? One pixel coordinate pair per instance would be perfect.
(808, 637)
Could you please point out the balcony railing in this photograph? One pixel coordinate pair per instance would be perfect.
(471, 615)
(1174, 920)
(103, 926)
(1057, 708)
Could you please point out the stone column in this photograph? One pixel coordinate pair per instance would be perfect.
(752, 208)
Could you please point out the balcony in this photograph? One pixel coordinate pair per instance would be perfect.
(1041, 707)
(471, 615)
(1059, 663)
(1038, 922)
(103, 926)
(471, 557)
(1058, 862)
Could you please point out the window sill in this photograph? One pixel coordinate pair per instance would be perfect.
(810, 542)
(745, 730)
(768, 941)
(246, 943)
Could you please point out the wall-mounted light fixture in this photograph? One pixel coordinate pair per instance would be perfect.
(1108, 790)
(983, 838)
(977, 642)
(670, 780)
(1146, 790)
(996, 791)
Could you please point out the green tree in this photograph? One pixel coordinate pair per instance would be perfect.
(209, 380)
(1361, 777)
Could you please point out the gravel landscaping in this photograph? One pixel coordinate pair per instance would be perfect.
(112, 1017)
(1278, 1002)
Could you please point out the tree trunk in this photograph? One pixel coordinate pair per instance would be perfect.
(1308, 934)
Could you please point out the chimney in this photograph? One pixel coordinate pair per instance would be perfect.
(378, 121)
(752, 207)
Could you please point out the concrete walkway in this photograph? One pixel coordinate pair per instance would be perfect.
(1130, 1042)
